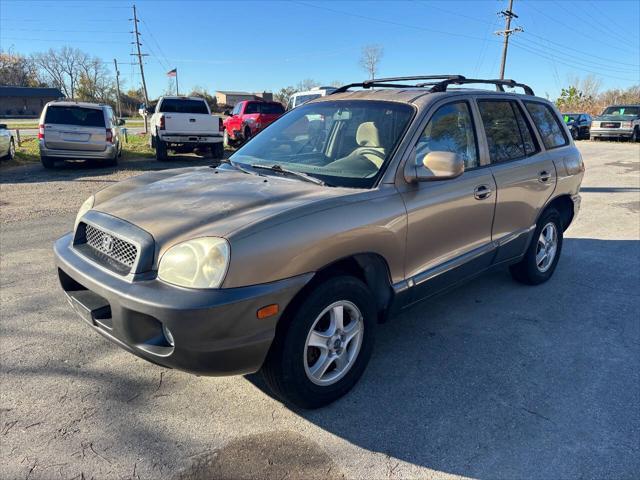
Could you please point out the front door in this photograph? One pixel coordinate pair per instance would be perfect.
(449, 221)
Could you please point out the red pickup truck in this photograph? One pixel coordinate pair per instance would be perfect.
(248, 118)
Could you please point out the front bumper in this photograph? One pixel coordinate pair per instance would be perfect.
(109, 153)
(612, 132)
(215, 332)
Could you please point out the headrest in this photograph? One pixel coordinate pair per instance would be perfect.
(367, 135)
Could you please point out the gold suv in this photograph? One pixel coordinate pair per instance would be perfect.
(341, 213)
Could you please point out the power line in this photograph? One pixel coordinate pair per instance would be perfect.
(56, 40)
(64, 31)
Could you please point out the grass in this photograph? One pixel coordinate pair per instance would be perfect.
(137, 146)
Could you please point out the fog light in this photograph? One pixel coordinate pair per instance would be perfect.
(168, 336)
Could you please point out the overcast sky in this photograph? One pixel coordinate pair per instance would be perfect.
(266, 45)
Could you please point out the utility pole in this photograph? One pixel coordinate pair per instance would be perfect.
(115, 63)
(140, 55)
(507, 32)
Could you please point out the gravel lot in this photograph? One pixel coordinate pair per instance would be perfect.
(492, 380)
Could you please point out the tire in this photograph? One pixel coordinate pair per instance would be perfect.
(47, 162)
(636, 135)
(574, 134)
(247, 134)
(12, 150)
(111, 162)
(536, 267)
(152, 141)
(287, 369)
(161, 150)
(217, 151)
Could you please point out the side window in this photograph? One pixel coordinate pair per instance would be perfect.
(251, 107)
(547, 124)
(450, 129)
(236, 109)
(508, 133)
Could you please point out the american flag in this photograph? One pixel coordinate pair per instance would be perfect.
(172, 73)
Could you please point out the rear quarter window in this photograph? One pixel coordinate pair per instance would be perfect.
(72, 115)
(548, 125)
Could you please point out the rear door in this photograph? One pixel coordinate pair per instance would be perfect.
(74, 127)
(524, 173)
(449, 221)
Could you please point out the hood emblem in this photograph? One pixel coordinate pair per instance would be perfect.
(107, 243)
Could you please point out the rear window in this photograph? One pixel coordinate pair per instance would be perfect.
(271, 108)
(72, 115)
(180, 105)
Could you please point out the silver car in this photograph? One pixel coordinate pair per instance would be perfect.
(7, 143)
(79, 131)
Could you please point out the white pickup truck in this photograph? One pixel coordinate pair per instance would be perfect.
(182, 124)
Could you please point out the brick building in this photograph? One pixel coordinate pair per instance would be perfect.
(25, 101)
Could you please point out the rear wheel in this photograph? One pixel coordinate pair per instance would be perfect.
(12, 150)
(161, 150)
(323, 348)
(47, 162)
(217, 151)
(247, 134)
(541, 258)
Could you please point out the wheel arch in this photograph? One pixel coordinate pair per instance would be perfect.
(370, 268)
(564, 205)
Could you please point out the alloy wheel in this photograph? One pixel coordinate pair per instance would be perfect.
(547, 247)
(333, 343)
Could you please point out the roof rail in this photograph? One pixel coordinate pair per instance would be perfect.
(384, 82)
(500, 84)
(438, 83)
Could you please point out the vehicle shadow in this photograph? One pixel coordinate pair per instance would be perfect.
(501, 380)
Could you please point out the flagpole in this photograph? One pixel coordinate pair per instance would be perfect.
(177, 94)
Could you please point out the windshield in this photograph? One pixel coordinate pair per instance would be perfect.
(343, 143)
(179, 105)
(621, 111)
(569, 117)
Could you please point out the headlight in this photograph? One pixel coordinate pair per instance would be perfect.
(84, 208)
(198, 263)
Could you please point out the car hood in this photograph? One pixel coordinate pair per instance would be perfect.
(177, 205)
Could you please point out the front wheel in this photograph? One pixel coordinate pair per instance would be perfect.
(323, 347)
(540, 260)
(636, 135)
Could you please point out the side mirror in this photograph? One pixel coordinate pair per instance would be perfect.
(120, 122)
(227, 113)
(435, 166)
(3, 126)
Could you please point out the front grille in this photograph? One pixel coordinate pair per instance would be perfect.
(112, 247)
(610, 125)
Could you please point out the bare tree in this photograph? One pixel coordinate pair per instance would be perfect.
(307, 84)
(62, 68)
(371, 56)
(17, 70)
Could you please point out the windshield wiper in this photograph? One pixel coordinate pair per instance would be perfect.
(238, 167)
(279, 169)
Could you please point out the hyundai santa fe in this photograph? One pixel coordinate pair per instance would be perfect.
(340, 214)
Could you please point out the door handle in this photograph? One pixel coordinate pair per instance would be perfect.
(481, 192)
(544, 176)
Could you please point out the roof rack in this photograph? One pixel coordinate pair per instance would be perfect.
(384, 82)
(500, 84)
(438, 83)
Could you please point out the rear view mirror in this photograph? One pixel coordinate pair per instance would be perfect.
(435, 166)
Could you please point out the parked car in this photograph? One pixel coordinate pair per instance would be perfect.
(248, 118)
(617, 121)
(285, 258)
(71, 130)
(300, 98)
(7, 143)
(184, 124)
(579, 125)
